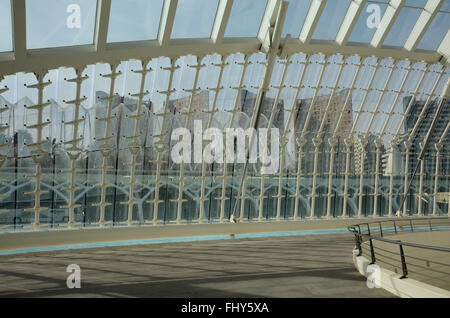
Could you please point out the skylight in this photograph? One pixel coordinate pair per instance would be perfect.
(5, 26)
(134, 20)
(331, 19)
(297, 11)
(402, 27)
(245, 18)
(366, 26)
(54, 23)
(194, 18)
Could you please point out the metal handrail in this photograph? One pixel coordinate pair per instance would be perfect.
(369, 236)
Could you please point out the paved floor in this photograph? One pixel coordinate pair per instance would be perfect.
(301, 266)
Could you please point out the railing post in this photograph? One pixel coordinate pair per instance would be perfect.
(404, 268)
(410, 223)
(358, 243)
(395, 228)
(429, 222)
(372, 252)
(381, 229)
(368, 229)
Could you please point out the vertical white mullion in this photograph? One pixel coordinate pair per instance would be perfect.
(334, 138)
(320, 133)
(211, 113)
(420, 197)
(391, 112)
(74, 151)
(225, 176)
(182, 178)
(378, 144)
(134, 147)
(439, 146)
(106, 148)
(349, 143)
(283, 144)
(291, 116)
(156, 201)
(304, 131)
(38, 155)
(363, 143)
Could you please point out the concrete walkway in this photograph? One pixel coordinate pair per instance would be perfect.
(301, 266)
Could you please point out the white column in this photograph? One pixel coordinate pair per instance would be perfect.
(348, 144)
(332, 142)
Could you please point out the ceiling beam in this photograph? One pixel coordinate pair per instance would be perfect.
(390, 16)
(267, 24)
(444, 48)
(296, 46)
(221, 21)
(167, 19)
(353, 13)
(312, 18)
(102, 24)
(432, 7)
(19, 30)
(52, 58)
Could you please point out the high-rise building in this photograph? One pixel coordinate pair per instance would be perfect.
(423, 126)
(199, 103)
(247, 106)
(331, 126)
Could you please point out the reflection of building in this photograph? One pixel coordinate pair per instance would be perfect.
(247, 105)
(181, 105)
(331, 124)
(332, 119)
(370, 156)
(422, 130)
(391, 162)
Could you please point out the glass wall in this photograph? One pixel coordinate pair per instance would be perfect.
(95, 146)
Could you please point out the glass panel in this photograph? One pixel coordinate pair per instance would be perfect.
(402, 27)
(245, 18)
(5, 26)
(416, 3)
(296, 15)
(194, 18)
(446, 6)
(134, 20)
(331, 19)
(53, 23)
(435, 32)
(364, 29)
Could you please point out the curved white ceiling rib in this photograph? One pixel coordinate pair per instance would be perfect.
(393, 14)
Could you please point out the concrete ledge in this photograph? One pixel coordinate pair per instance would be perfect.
(405, 288)
(37, 239)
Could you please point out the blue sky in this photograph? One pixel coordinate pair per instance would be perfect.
(135, 20)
